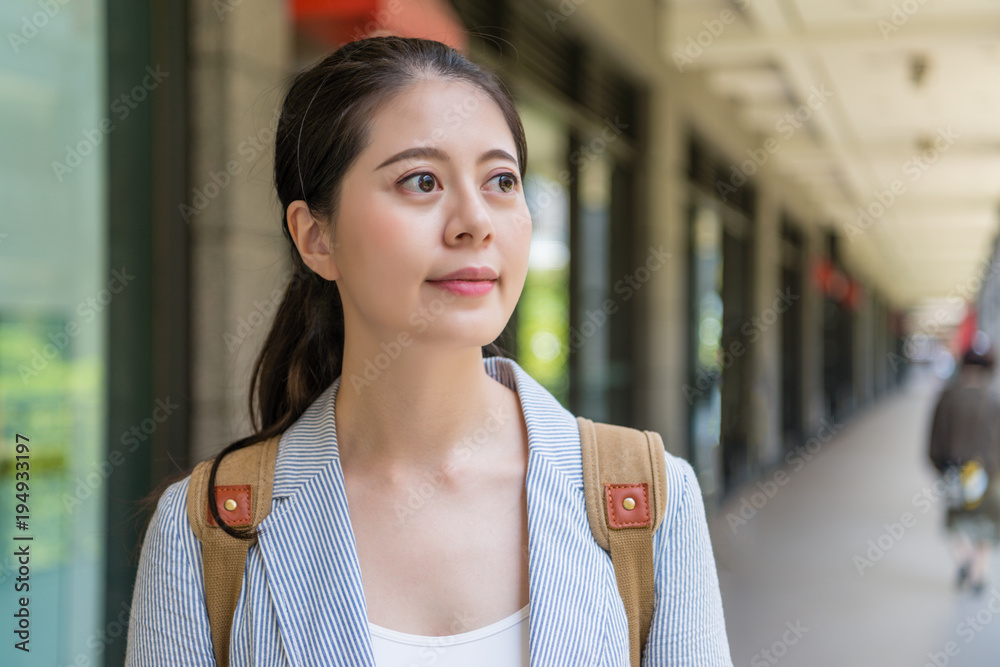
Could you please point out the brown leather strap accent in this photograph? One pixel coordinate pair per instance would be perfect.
(628, 505)
(619, 463)
(224, 557)
(239, 495)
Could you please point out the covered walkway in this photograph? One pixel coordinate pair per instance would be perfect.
(846, 560)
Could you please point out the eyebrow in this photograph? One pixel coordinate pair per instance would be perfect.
(437, 153)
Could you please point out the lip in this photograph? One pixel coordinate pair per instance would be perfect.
(465, 287)
(469, 273)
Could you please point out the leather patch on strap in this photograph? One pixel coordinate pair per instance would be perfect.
(239, 515)
(620, 498)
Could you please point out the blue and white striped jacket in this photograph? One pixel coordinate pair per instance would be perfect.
(303, 604)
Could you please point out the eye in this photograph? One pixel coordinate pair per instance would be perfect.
(506, 181)
(424, 182)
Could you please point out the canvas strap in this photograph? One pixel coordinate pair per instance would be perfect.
(243, 487)
(625, 485)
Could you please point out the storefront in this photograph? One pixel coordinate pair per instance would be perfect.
(838, 336)
(721, 331)
(793, 361)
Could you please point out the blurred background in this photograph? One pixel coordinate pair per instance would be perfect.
(765, 229)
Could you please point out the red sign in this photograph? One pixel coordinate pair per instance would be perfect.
(336, 22)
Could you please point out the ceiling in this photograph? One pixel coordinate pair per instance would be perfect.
(897, 95)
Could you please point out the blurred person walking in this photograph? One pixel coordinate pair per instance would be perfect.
(965, 449)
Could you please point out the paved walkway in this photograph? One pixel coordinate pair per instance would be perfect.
(803, 586)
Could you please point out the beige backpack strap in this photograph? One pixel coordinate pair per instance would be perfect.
(625, 485)
(243, 488)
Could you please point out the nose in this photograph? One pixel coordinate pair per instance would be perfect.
(469, 217)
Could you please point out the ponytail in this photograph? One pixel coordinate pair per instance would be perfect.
(302, 355)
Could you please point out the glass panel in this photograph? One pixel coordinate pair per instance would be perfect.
(704, 392)
(543, 332)
(736, 396)
(592, 333)
(54, 294)
(791, 363)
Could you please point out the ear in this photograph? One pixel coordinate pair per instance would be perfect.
(312, 240)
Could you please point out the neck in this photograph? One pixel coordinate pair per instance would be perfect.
(427, 408)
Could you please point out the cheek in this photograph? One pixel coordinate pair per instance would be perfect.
(522, 234)
(517, 245)
(380, 240)
(381, 262)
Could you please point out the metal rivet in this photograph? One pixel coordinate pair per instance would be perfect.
(628, 503)
(230, 504)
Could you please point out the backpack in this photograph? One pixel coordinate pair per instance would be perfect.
(625, 486)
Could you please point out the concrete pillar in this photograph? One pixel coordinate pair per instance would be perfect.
(667, 330)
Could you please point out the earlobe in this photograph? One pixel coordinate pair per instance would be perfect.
(311, 240)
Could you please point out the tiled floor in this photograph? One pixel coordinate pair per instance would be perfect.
(793, 564)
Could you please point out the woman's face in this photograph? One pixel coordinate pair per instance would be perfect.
(436, 191)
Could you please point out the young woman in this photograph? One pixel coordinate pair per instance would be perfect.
(428, 501)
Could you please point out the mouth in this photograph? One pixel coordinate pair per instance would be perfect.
(465, 287)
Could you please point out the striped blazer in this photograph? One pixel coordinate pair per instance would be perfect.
(303, 604)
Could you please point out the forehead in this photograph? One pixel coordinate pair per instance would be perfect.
(452, 115)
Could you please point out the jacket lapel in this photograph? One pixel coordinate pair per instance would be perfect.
(308, 536)
(568, 572)
(306, 539)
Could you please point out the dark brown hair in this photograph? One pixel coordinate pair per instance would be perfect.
(325, 124)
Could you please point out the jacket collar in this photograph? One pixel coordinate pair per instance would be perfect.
(308, 536)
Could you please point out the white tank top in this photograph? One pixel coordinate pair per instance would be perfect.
(500, 644)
